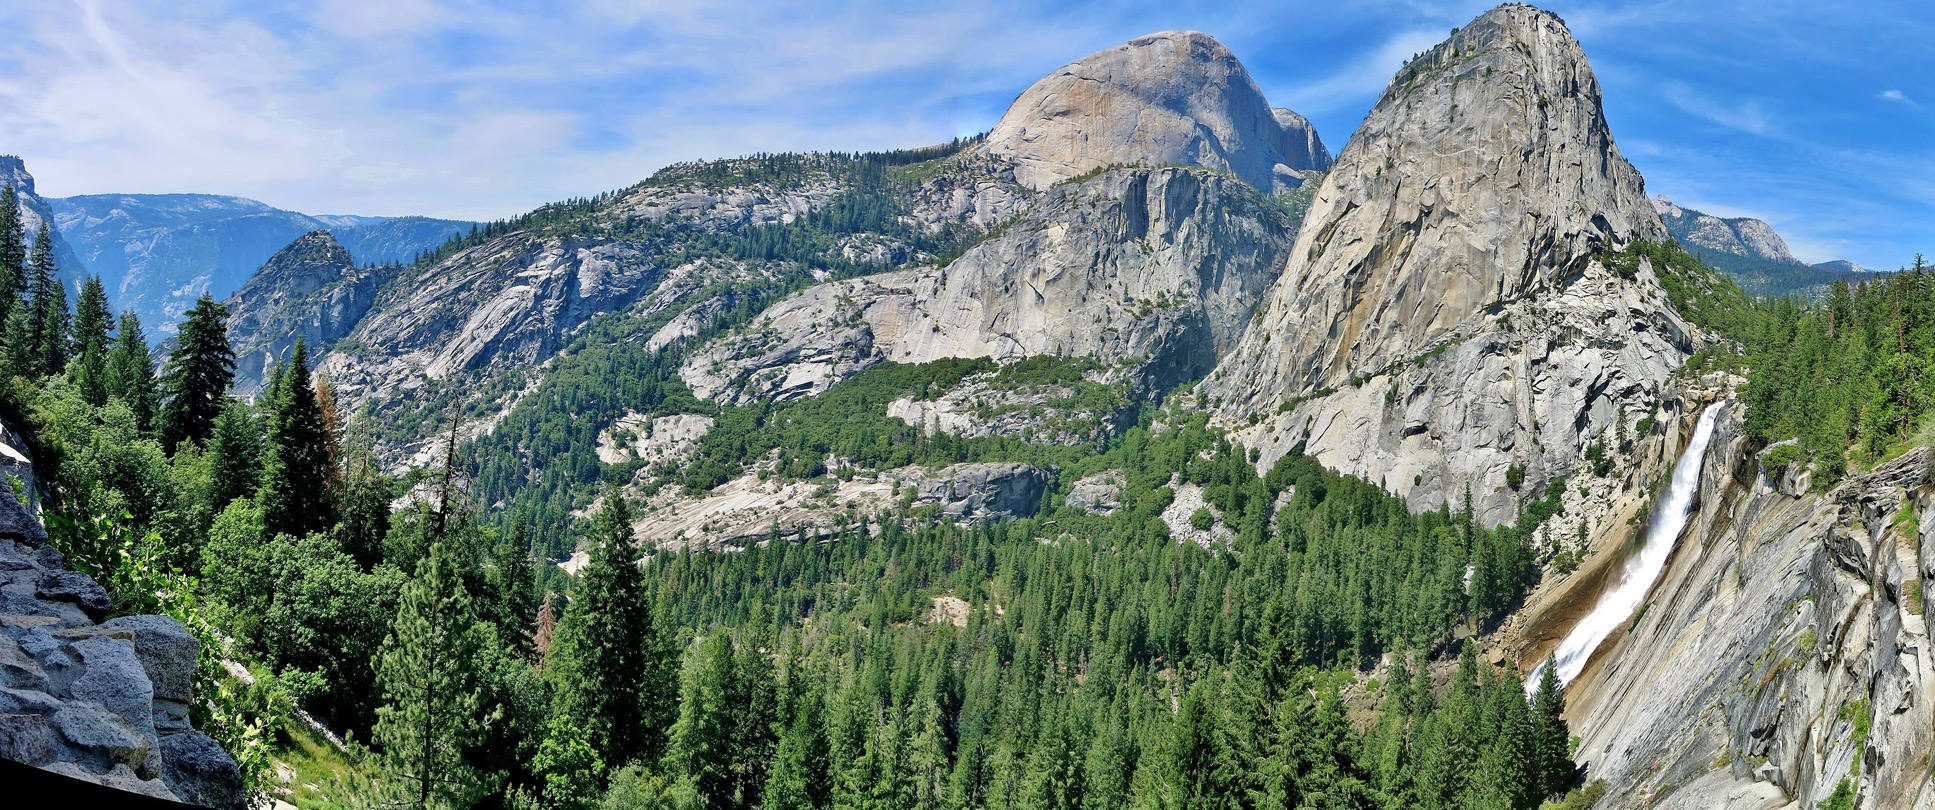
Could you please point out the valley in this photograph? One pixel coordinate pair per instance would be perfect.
(1136, 452)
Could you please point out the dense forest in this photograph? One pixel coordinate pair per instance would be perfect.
(1070, 659)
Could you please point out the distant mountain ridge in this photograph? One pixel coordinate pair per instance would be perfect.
(158, 252)
(1749, 251)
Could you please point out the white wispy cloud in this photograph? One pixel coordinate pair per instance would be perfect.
(1897, 96)
(1363, 76)
(1745, 116)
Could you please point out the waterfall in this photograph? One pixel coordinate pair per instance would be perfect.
(1616, 606)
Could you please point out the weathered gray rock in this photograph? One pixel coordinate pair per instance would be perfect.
(1100, 494)
(167, 652)
(1780, 624)
(311, 291)
(199, 772)
(17, 523)
(105, 703)
(1153, 269)
(74, 587)
(977, 491)
(1442, 318)
(1175, 97)
(1741, 236)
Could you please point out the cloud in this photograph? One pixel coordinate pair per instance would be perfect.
(1363, 77)
(1897, 96)
(1745, 116)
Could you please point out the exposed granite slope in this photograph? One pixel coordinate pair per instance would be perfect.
(1442, 317)
(1174, 97)
(311, 290)
(1154, 270)
(1785, 621)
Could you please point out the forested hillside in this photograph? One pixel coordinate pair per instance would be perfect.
(424, 552)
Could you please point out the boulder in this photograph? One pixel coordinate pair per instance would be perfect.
(198, 771)
(167, 652)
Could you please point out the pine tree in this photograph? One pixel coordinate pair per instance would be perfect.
(297, 468)
(1551, 736)
(234, 456)
(701, 747)
(92, 343)
(601, 660)
(801, 778)
(49, 323)
(200, 370)
(13, 253)
(511, 583)
(428, 676)
(131, 373)
(364, 494)
(20, 358)
(92, 320)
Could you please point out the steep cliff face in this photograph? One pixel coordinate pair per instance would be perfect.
(1443, 316)
(1153, 271)
(1784, 649)
(311, 290)
(36, 211)
(1166, 98)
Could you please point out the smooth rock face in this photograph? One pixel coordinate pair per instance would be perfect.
(1157, 269)
(1441, 318)
(310, 290)
(977, 491)
(1175, 97)
(1779, 621)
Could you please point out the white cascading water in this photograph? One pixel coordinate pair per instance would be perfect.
(1616, 606)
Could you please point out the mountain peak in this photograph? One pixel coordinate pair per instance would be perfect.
(1165, 98)
(1410, 338)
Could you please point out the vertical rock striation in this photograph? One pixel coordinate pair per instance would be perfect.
(1442, 317)
(1784, 649)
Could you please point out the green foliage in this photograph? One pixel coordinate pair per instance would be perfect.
(428, 676)
(299, 458)
(1842, 798)
(571, 772)
(1584, 798)
(130, 375)
(200, 370)
(611, 673)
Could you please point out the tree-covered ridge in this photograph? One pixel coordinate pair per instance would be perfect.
(1849, 376)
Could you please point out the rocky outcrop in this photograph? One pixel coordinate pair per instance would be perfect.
(1154, 271)
(753, 508)
(107, 702)
(311, 290)
(1785, 647)
(1443, 317)
(1175, 97)
(1741, 236)
(36, 211)
(984, 405)
(509, 302)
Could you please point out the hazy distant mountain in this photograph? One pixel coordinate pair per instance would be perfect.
(1748, 250)
(158, 252)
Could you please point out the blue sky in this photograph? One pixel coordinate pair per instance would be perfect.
(1813, 116)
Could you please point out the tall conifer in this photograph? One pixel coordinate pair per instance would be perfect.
(603, 658)
(131, 373)
(200, 370)
(297, 469)
(429, 676)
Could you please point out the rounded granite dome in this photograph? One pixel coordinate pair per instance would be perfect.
(1175, 97)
